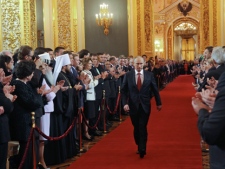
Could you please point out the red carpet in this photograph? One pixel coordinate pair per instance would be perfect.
(173, 140)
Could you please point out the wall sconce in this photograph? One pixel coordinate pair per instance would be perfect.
(104, 18)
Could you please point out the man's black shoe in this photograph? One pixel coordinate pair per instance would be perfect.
(142, 154)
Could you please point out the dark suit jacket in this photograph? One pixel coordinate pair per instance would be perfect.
(136, 97)
(221, 82)
(212, 129)
(4, 125)
(214, 73)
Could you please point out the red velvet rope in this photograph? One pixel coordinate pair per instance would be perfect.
(85, 120)
(57, 138)
(116, 107)
(26, 149)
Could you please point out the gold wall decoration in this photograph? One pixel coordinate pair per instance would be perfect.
(147, 20)
(149, 28)
(214, 23)
(63, 17)
(169, 43)
(10, 25)
(139, 27)
(204, 22)
(26, 23)
(75, 48)
(29, 23)
(33, 24)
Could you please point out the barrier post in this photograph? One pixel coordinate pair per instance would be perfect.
(120, 107)
(80, 134)
(33, 142)
(104, 112)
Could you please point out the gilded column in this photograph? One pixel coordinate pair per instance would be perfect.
(204, 24)
(33, 24)
(169, 42)
(74, 31)
(29, 23)
(139, 27)
(215, 23)
(10, 25)
(149, 28)
(64, 31)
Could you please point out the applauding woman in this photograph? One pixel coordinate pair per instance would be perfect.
(20, 118)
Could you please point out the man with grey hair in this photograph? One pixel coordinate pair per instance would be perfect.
(7, 53)
(137, 88)
(218, 57)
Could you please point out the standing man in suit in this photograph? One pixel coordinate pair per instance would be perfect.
(138, 85)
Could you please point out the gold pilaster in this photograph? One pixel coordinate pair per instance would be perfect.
(29, 23)
(170, 42)
(204, 24)
(33, 24)
(10, 25)
(74, 25)
(149, 28)
(64, 31)
(139, 27)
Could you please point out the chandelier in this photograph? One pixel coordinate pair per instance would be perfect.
(104, 18)
(185, 30)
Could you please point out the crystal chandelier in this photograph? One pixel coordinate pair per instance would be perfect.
(185, 30)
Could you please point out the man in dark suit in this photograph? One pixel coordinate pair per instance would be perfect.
(211, 125)
(138, 85)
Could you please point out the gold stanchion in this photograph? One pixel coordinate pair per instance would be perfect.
(80, 134)
(104, 111)
(33, 142)
(33, 119)
(120, 107)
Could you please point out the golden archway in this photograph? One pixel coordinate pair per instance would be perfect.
(185, 41)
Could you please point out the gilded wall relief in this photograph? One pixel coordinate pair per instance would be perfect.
(10, 23)
(147, 19)
(26, 22)
(139, 27)
(205, 24)
(169, 43)
(75, 48)
(214, 23)
(33, 24)
(149, 26)
(63, 17)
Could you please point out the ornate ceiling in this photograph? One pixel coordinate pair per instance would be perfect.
(166, 10)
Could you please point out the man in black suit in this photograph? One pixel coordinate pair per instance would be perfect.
(211, 125)
(138, 85)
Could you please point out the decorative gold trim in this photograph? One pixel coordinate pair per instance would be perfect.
(169, 42)
(204, 24)
(139, 27)
(26, 21)
(64, 31)
(33, 24)
(75, 45)
(214, 23)
(10, 25)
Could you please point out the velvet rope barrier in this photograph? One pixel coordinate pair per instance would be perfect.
(26, 149)
(85, 119)
(56, 138)
(116, 107)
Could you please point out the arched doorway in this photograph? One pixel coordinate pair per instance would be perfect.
(185, 39)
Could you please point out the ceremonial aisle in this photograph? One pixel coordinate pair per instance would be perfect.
(173, 140)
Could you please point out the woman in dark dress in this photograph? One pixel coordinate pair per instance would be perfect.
(6, 106)
(27, 101)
